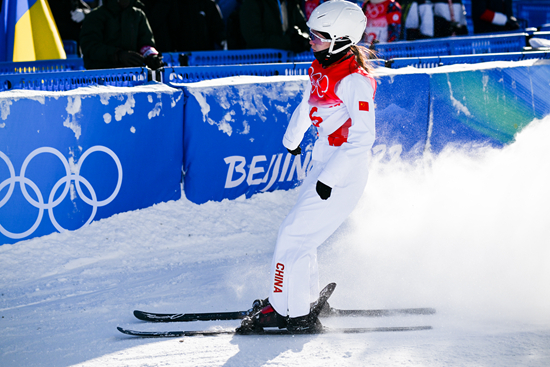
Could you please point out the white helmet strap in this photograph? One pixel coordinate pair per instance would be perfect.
(333, 44)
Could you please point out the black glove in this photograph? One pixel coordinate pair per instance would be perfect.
(458, 29)
(323, 190)
(299, 41)
(296, 151)
(154, 62)
(511, 24)
(129, 58)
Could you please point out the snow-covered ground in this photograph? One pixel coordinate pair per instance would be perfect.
(467, 232)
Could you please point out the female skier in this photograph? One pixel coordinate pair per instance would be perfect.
(339, 102)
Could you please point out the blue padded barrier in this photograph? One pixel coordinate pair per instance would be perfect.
(545, 27)
(41, 66)
(86, 156)
(226, 57)
(435, 61)
(303, 57)
(190, 74)
(68, 80)
(234, 57)
(466, 45)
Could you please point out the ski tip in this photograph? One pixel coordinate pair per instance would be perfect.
(330, 287)
(140, 315)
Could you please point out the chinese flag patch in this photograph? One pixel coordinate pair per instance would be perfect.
(363, 106)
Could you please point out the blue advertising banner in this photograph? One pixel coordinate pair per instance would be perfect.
(68, 158)
(402, 113)
(233, 137)
(487, 106)
(234, 129)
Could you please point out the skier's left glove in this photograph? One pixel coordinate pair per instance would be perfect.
(323, 190)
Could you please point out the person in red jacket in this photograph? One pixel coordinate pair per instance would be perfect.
(383, 20)
(491, 16)
(339, 102)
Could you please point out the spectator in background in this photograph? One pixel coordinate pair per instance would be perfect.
(493, 16)
(235, 39)
(383, 21)
(117, 34)
(186, 25)
(432, 19)
(310, 5)
(449, 18)
(418, 20)
(68, 15)
(278, 24)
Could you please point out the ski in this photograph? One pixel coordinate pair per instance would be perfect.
(175, 334)
(239, 315)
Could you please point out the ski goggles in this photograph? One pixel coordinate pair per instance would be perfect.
(316, 39)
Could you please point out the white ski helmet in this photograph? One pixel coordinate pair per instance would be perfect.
(341, 20)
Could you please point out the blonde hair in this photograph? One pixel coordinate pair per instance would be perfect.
(362, 56)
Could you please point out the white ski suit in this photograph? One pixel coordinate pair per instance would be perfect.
(339, 101)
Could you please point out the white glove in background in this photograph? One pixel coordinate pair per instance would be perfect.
(78, 15)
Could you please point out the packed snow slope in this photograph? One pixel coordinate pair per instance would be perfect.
(466, 232)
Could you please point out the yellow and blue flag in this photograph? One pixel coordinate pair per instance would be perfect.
(28, 32)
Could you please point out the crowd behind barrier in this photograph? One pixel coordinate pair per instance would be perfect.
(497, 44)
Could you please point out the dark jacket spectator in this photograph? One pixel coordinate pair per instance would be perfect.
(186, 25)
(274, 24)
(493, 16)
(68, 15)
(116, 35)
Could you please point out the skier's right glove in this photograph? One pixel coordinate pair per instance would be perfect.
(323, 190)
(296, 151)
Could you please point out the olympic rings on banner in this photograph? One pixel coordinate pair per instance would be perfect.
(51, 203)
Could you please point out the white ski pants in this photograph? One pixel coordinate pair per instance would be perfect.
(294, 276)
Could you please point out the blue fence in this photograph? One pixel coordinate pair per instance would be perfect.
(67, 80)
(41, 66)
(190, 74)
(227, 57)
(436, 61)
(495, 43)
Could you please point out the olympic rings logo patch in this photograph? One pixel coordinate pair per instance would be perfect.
(51, 203)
